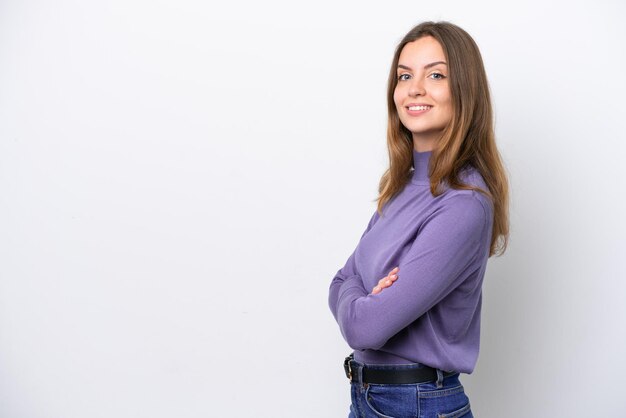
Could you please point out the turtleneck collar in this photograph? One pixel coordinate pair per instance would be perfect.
(420, 165)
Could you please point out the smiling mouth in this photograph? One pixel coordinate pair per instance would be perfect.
(415, 108)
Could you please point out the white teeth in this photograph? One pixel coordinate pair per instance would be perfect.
(419, 107)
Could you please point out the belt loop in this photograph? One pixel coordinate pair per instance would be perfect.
(359, 372)
(439, 379)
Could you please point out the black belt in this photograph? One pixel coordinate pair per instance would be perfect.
(390, 376)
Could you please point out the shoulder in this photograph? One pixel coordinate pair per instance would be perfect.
(462, 217)
(470, 175)
(470, 205)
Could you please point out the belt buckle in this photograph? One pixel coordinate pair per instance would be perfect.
(347, 368)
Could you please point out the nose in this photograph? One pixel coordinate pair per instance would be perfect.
(416, 88)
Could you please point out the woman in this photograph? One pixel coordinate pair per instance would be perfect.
(417, 328)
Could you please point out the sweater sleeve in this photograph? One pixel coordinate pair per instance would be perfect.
(442, 255)
(348, 273)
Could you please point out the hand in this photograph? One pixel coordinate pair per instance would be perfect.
(386, 281)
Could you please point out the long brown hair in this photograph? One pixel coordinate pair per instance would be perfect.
(469, 139)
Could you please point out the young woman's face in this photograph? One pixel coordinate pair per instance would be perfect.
(423, 81)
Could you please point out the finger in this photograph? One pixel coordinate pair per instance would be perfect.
(383, 283)
(395, 269)
(392, 277)
(376, 290)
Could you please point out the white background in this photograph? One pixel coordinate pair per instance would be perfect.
(179, 182)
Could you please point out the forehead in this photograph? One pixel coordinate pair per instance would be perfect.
(421, 52)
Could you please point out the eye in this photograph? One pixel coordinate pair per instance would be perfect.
(441, 76)
(402, 75)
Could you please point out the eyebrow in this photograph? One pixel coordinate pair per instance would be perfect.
(427, 66)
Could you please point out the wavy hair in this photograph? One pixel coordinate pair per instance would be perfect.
(469, 138)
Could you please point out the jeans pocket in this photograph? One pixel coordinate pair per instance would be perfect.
(392, 401)
(450, 402)
(462, 412)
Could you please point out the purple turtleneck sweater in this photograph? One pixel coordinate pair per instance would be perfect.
(431, 313)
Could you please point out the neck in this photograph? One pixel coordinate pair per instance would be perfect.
(420, 165)
(424, 143)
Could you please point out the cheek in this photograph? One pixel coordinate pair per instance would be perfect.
(444, 100)
(396, 97)
(442, 96)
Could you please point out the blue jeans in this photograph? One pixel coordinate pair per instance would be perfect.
(441, 398)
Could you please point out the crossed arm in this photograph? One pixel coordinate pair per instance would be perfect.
(439, 259)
